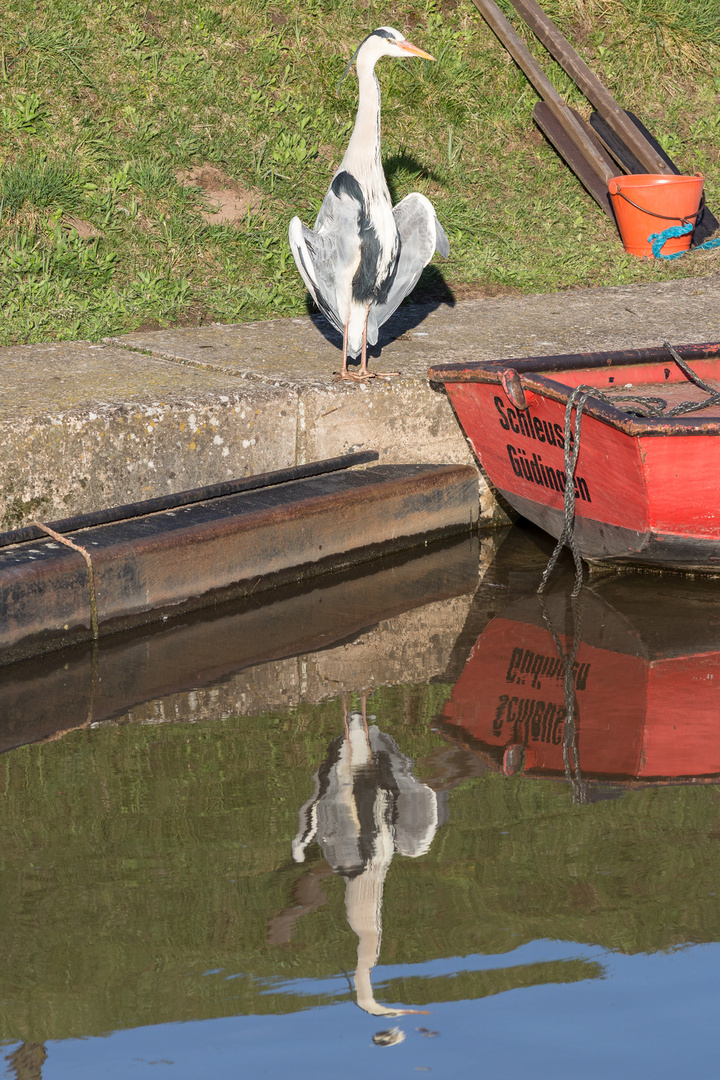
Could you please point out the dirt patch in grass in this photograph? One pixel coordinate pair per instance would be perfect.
(227, 201)
(85, 229)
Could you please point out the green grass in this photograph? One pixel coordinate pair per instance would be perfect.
(100, 107)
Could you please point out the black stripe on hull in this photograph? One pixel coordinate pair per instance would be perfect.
(599, 542)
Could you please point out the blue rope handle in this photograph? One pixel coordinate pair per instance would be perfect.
(656, 240)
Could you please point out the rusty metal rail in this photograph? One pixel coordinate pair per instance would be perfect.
(148, 567)
(192, 495)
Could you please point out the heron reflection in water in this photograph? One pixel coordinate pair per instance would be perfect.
(365, 807)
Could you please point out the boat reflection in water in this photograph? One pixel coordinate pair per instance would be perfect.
(619, 689)
(366, 807)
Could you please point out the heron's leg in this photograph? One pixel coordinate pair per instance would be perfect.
(363, 372)
(345, 374)
(364, 716)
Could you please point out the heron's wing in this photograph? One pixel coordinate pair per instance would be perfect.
(328, 255)
(415, 813)
(421, 234)
(313, 256)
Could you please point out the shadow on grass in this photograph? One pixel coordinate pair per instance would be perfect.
(404, 163)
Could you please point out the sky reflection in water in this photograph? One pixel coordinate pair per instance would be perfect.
(213, 881)
(650, 1016)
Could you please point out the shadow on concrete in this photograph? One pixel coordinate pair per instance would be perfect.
(430, 293)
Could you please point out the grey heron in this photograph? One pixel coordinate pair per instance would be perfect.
(364, 256)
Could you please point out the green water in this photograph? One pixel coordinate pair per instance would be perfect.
(150, 894)
(135, 858)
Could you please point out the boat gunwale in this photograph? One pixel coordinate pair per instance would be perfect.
(535, 380)
(458, 735)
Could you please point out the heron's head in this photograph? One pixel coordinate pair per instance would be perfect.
(389, 42)
(385, 42)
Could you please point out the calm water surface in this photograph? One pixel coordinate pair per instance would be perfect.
(409, 821)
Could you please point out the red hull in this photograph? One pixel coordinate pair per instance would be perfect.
(642, 715)
(646, 489)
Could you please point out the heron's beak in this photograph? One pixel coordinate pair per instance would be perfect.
(413, 50)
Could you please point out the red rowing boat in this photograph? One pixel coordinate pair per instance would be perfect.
(646, 480)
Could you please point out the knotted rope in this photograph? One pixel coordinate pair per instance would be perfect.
(644, 407)
(571, 759)
(88, 562)
(93, 617)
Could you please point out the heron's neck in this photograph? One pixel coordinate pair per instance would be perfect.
(362, 157)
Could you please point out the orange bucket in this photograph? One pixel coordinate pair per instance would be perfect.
(645, 203)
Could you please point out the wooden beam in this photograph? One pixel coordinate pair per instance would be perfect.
(611, 140)
(567, 149)
(534, 72)
(597, 94)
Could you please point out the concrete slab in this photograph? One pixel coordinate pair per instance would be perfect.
(306, 350)
(404, 418)
(86, 426)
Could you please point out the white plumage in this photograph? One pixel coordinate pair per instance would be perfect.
(363, 257)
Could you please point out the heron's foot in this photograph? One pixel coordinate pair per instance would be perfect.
(353, 376)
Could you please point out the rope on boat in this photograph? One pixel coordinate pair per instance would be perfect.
(93, 616)
(656, 240)
(644, 407)
(572, 448)
(60, 539)
(571, 759)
